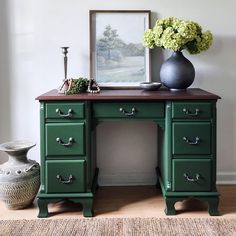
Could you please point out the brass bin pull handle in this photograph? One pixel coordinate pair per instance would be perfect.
(189, 113)
(197, 141)
(61, 180)
(70, 142)
(60, 113)
(126, 113)
(197, 177)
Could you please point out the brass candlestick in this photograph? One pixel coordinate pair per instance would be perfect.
(65, 51)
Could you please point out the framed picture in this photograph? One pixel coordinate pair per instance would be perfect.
(118, 58)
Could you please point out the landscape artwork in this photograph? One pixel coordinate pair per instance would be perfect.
(120, 59)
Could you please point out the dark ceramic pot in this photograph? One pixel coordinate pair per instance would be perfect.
(177, 72)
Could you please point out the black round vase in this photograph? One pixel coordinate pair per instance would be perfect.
(177, 72)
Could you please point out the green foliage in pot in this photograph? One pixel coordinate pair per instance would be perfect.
(177, 35)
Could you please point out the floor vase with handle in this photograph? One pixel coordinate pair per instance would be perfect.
(19, 176)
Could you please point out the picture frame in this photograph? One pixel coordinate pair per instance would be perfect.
(118, 59)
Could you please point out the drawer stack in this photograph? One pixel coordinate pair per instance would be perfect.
(188, 160)
(65, 148)
(192, 146)
(65, 153)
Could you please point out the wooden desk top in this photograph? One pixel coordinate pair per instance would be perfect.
(162, 94)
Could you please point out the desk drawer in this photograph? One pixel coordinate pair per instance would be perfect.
(64, 139)
(65, 176)
(191, 138)
(191, 110)
(64, 110)
(128, 110)
(191, 175)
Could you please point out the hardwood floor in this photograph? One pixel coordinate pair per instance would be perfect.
(135, 201)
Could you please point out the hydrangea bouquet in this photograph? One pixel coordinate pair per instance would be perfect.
(177, 35)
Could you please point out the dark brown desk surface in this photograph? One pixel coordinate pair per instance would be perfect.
(162, 94)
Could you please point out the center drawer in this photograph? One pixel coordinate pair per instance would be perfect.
(64, 139)
(65, 176)
(128, 110)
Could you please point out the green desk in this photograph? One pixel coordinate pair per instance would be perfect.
(186, 122)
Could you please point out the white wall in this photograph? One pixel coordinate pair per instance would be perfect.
(31, 34)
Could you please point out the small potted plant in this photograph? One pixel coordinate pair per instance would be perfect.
(175, 34)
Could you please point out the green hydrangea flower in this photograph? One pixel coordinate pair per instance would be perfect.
(149, 37)
(177, 35)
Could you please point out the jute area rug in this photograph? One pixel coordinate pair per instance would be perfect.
(120, 227)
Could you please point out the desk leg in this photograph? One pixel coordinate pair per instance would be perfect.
(87, 206)
(170, 205)
(213, 203)
(43, 208)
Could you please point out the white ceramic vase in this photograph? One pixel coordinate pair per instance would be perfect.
(19, 176)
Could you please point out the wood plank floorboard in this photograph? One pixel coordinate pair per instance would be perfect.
(130, 201)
